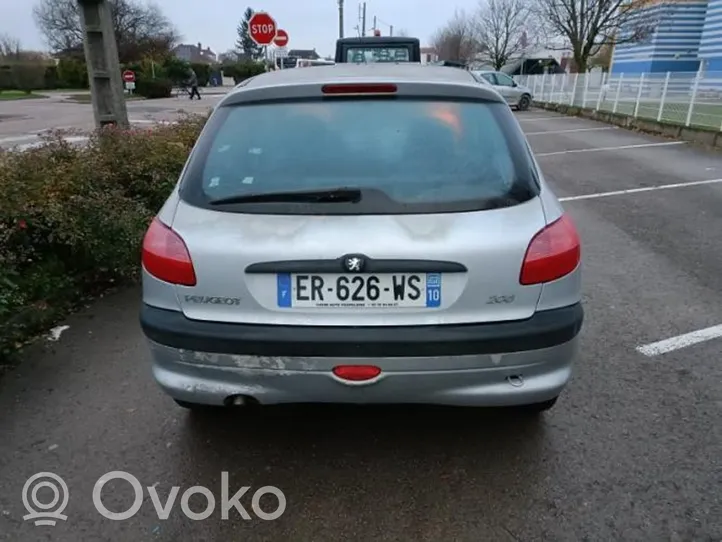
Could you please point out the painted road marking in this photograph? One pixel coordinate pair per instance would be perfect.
(16, 142)
(574, 130)
(17, 138)
(623, 147)
(681, 341)
(28, 146)
(637, 190)
(537, 119)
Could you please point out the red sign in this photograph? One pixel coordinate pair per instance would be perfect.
(129, 76)
(262, 28)
(281, 39)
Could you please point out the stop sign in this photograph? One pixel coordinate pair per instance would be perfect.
(281, 39)
(129, 76)
(262, 28)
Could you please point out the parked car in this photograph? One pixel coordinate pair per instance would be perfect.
(515, 94)
(336, 260)
(392, 49)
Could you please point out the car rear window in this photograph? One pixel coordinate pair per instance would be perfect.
(406, 155)
(378, 54)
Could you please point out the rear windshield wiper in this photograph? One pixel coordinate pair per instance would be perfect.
(333, 195)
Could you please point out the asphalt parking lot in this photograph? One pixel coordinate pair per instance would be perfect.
(24, 122)
(632, 451)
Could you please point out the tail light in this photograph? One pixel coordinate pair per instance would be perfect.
(553, 253)
(166, 257)
(356, 373)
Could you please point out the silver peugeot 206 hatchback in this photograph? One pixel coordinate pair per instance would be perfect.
(362, 234)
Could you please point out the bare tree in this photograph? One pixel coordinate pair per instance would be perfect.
(504, 28)
(140, 29)
(11, 50)
(589, 25)
(9, 46)
(455, 40)
(403, 33)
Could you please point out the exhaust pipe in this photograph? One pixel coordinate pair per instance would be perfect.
(240, 401)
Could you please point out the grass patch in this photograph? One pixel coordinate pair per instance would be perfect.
(704, 115)
(8, 95)
(707, 115)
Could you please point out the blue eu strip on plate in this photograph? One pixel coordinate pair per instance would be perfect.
(433, 290)
(284, 289)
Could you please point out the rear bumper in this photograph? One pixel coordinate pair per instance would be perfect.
(479, 381)
(503, 364)
(545, 329)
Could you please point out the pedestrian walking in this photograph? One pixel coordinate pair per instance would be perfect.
(193, 83)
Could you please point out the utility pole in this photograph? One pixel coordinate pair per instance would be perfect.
(363, 20)
(101, 56)
(340, 18)
(376, 26)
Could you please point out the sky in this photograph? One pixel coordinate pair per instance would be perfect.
(310, 24)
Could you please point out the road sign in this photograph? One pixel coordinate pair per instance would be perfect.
(281, 52)
(129, 76)
(262, 28)
(281, 39)
(129, 86)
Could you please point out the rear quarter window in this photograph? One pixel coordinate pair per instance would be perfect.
(407, 156)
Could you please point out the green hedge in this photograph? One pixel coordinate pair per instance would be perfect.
(154, 88)
(72, 219)
(27, 76)
(40, 76)
(72, 73)
(243, 70)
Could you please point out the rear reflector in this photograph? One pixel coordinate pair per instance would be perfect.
(553, 253)
(356, 373)
(360, 88)
(166, 257)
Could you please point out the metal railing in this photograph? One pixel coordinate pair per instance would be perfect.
(688, 99)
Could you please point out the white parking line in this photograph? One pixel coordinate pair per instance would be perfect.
(72, 139)
(680, 341)
(574, 130)
(536, 119)
(637, 190)
(16, 138)
(623, 147)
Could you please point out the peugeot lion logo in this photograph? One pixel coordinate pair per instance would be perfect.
(354, 263)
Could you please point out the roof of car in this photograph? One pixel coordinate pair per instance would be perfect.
(376, 40)
(299, 82)
(400, 72)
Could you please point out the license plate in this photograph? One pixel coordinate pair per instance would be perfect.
(384, 290)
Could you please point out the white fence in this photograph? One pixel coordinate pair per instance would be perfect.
(689, 99)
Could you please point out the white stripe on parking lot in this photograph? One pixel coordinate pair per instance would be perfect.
(536, 119)
(28, 146)
(17, 138)
(573, 130)
(637, 190)
(599, 149)
(680, 341)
